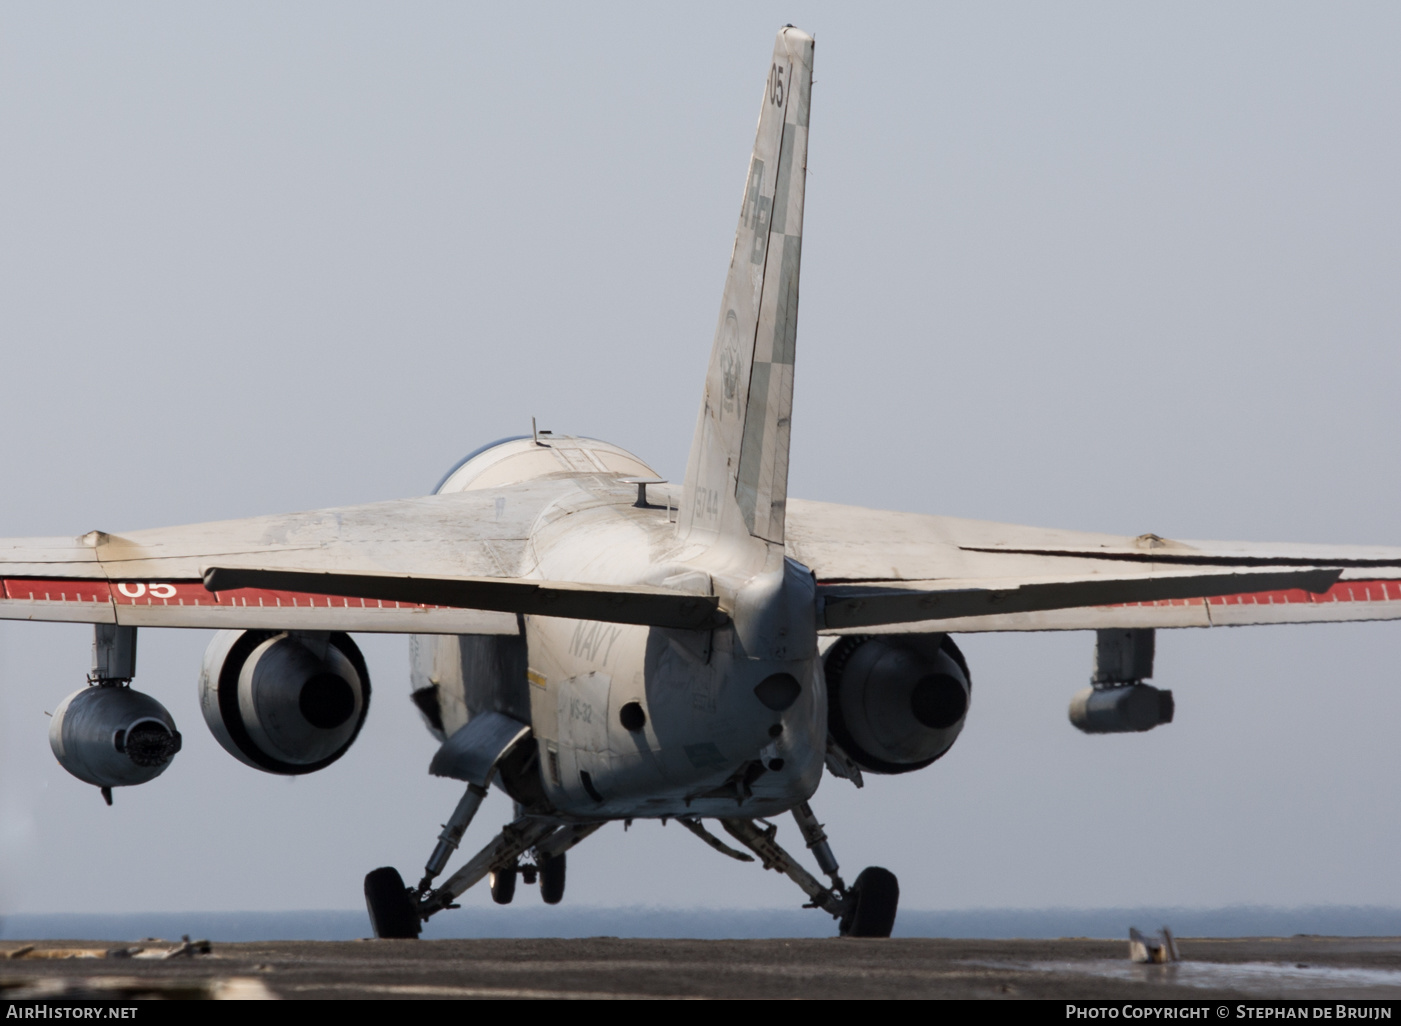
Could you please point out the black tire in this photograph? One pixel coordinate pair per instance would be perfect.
(552, 879)
(393, 912)
(877, 894)
(503, 885)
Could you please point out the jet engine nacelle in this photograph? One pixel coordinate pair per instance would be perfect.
(112, 736)
(897, 702)
(284, 702)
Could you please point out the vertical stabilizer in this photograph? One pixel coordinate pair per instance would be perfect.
(737, 476)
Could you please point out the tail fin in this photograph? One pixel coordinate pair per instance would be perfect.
(737, 476)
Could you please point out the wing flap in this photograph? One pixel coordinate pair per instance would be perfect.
(634, 604)
(846, 607)
(1350, 599)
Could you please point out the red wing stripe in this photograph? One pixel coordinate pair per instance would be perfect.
(68, 589)
(166, 593)
(1343, 591)
(180, 593)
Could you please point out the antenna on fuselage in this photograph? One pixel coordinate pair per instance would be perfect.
(536, 433)
(642, 483)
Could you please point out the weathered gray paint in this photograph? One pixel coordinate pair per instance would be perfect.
(738, 469)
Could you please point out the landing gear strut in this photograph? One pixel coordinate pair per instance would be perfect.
(866, 909)
(397, 911)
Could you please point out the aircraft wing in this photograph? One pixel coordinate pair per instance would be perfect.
(462, 563)
(877, 570)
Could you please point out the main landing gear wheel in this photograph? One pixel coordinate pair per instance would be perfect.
(876, 893)
(552, 879)
(392, 909)
(503, 885)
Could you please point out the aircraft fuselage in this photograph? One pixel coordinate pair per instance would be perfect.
(635, 721)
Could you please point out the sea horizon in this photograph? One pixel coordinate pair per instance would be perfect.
(712, 923)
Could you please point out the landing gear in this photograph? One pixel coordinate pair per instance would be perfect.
(875, 894)
(503, 884)
(866, 909)
(552, 878)
(451, 836)
(548, 869)
(396, 911)
(393, 911)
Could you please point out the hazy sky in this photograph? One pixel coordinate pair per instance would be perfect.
(1102, 266)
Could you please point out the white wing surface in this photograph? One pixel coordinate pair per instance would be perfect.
(1016, 578)
(457, 563)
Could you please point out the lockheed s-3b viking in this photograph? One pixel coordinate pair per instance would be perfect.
(603, 646)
